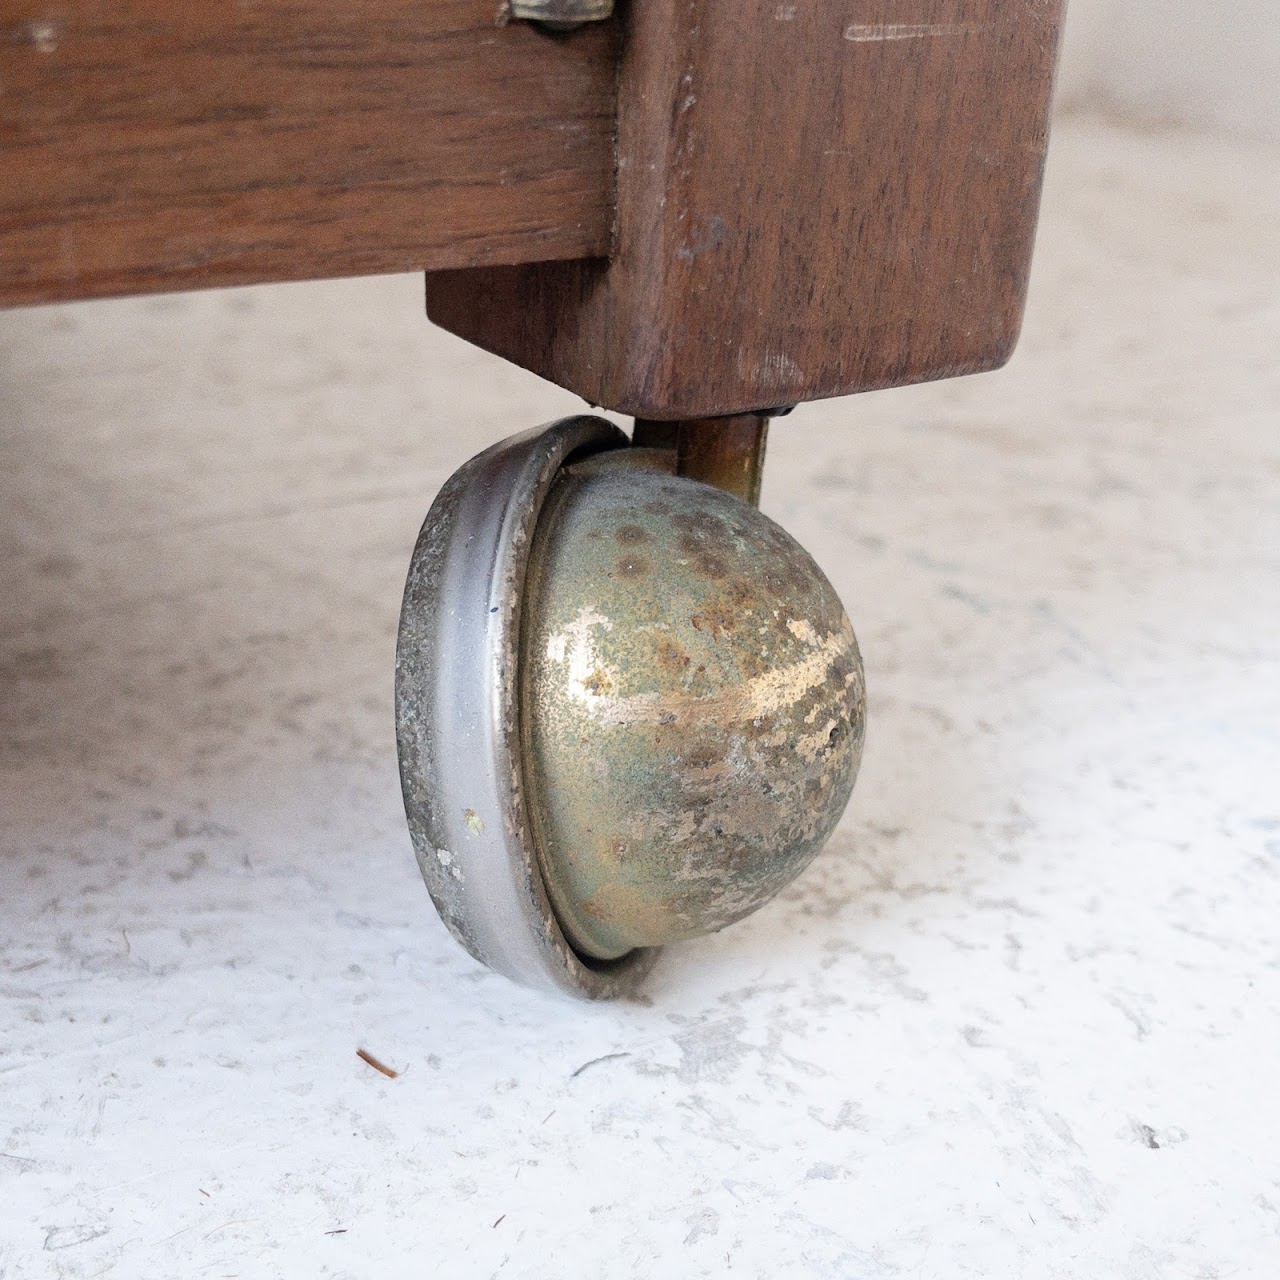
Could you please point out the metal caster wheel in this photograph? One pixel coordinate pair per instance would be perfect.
(629, 706)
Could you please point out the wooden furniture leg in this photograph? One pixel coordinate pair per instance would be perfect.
(813, 199)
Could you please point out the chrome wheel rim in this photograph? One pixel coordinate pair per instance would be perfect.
(457, 714)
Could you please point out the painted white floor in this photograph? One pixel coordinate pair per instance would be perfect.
(1021, 1019)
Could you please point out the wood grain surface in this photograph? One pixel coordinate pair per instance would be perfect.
(814, 198)
(161, 144)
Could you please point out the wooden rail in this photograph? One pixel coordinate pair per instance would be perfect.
(175, 144)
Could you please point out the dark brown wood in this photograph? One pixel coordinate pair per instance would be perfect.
(170, 144)
(814, 197)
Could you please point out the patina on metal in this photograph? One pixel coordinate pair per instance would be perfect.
(457, 721)
(629, 706)
(726, 452)
(692, 704)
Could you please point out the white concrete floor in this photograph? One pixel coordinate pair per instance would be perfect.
(1021, 1019)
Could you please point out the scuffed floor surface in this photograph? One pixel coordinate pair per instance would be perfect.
(1021, 1019)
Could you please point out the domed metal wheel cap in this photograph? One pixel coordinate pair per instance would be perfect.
(457, 714)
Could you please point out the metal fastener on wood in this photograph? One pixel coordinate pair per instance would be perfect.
(560, 15)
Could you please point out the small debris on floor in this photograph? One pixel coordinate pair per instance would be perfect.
(365, 1056)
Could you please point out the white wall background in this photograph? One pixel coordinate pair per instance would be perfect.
(1210, 63)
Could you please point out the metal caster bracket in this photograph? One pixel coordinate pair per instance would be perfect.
(457, 714)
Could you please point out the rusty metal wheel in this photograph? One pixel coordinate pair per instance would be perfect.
(630, 707)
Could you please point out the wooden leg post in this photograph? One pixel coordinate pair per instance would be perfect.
(812, 199)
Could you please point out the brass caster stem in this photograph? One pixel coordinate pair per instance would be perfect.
(725, 452)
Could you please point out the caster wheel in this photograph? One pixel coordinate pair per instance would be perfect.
(629, 707)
